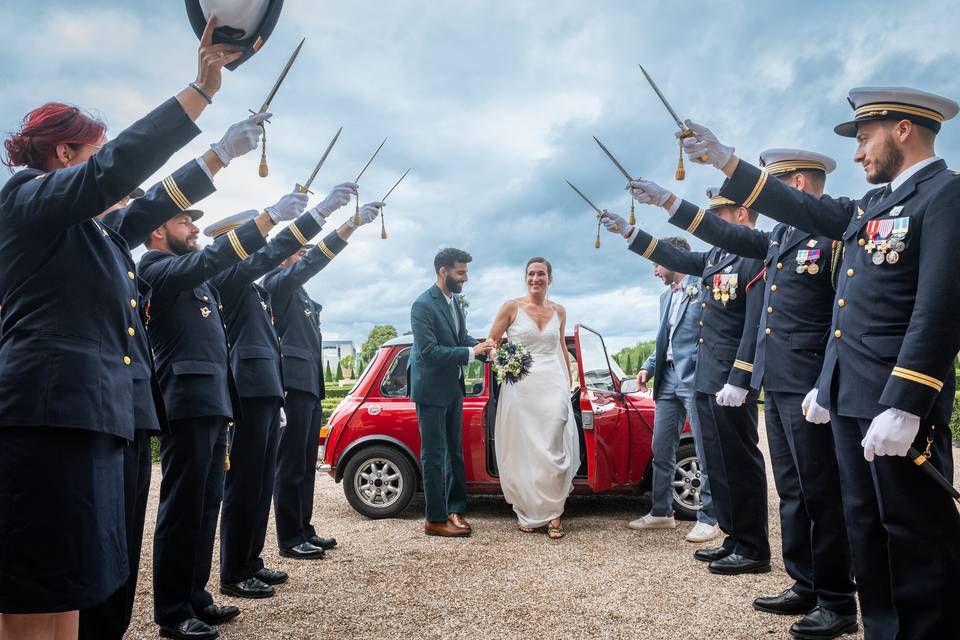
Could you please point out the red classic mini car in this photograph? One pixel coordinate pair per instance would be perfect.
(372, 442)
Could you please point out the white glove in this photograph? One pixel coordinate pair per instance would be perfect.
(289, 207)
(703, 141)
(890, 434)
(616, 224)
(368, 213)
(814, 412)
(338, 197)
(647, 192)
(731, 396)
(283, 418)
(241, 138)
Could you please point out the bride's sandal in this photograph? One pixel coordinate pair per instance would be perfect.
(524, 529)
(555, 531)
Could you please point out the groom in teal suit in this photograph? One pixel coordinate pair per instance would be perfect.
(441, 348)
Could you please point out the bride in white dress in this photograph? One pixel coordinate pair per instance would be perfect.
(537, 445)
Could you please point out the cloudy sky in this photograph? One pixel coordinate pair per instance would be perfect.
(492, 105)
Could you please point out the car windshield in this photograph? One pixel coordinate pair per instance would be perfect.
(366, 371)
(597, 371)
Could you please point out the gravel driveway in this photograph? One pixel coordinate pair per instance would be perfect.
(388, 580)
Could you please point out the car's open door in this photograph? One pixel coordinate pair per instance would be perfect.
(605, 429)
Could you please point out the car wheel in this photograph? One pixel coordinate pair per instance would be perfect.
(379, 481)
(687, 483)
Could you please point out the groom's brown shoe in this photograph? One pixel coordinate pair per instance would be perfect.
(444, 529)
(459, 521)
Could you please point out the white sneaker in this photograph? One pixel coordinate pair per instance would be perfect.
(654, 522)
(703, 532)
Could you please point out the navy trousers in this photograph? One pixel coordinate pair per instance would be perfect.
(903, 532)
(192, 453)
(740, 495)
(441, 456)
(816, 553)
(110, 619)
(248, 489)
(297, 469)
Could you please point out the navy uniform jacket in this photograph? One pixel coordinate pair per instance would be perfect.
(435, 368)
(298, 317)
(795, 316)
(68, 298)
(728, 332)
(254, 346)
(896, 327)
(186, 326)
(135, 222)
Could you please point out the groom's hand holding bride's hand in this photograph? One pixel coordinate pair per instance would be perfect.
(484, 348)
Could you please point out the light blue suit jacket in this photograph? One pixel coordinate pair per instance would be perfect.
(685, 337)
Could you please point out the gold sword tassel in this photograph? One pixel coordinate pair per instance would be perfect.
(356, 214)
(681, 172)
(383, 227)
(264, 170)
(633, 217)
(596, 243)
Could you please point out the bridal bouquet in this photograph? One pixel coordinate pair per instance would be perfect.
(512, 362)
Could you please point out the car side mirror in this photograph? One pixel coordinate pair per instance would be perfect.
(629, 385)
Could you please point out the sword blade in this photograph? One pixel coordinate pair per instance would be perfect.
(663, 99)
(614, 160)
(370, 160)
(283, 74)
(323, 159)
(585, 198)
(384, 198)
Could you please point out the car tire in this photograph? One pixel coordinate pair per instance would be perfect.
(686, 482)
(379, 481)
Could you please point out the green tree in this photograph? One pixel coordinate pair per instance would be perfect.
(628, 368)
(378, 335)
(349, 364)
(338, 376)
(327, 374)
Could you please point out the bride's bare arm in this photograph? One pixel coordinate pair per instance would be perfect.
(505, 317)
(562, 315)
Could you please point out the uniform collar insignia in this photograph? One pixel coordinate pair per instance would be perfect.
(896, 210)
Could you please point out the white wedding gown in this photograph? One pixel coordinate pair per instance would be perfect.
(538, 448)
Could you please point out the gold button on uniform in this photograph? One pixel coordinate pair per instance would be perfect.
(841, 302)
(127, 360)
(773, 287)
(861, 242)
(779, 265)
(769, 309)
(205, 298)
(703, 305)
(131, 332)
(133, 303)
(701, 323)
(768, 331)
(701, 340)
(850, 273)
(838, 333)
(130, 275)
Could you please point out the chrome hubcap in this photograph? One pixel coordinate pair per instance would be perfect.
(378, 483)
(687, 483)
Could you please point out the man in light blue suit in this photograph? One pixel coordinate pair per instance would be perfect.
(672, 366)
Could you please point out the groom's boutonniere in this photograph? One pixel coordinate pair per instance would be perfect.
(692, 291)
(464, 304)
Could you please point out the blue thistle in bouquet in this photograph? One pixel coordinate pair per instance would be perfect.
(512, 363)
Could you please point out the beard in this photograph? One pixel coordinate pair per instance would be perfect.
(453, 285)
(888, 163)
(179, 247)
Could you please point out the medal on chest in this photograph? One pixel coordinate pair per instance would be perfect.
(725, 287)
(807, 261)
(885, 239)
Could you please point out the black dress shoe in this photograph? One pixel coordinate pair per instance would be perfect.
(710, 555)
(822, 623)
(735, 564)
(271, 576)
(788, 603)
(323, 543)
(303, 551)
(190, 629)
(249, 588)
(215, 614)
